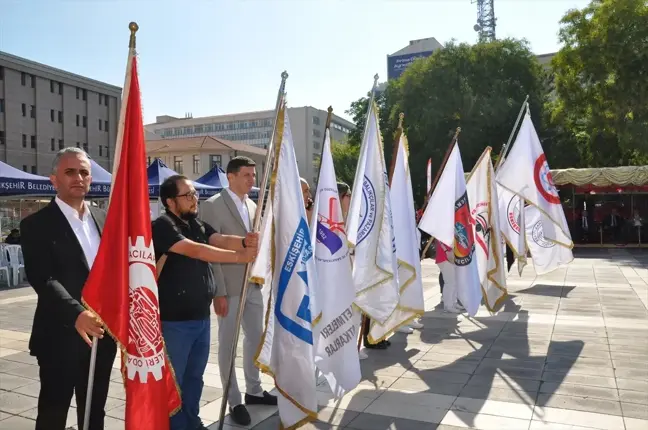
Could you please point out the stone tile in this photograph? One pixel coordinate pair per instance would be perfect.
(576, 390)
(417, 386)
(579, 379)
(586, 404)
(577, 418)
(17, 423)
(510, 395)
(628, 396)
(633, 410)
(635, 424)
(633, 385)
(11, 382)
(493, 407)
(483, 421)
(366, 421)
(14, 403)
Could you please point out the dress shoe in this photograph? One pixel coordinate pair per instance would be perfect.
(265, 399)
(240, 415)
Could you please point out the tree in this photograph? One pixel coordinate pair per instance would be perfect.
(479, 88)
(345, 160)
(601, 83)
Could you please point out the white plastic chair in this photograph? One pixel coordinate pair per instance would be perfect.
(4, 265)
(16, 263)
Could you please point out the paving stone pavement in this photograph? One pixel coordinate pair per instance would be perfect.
(569, 350)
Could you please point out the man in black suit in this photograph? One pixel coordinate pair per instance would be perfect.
(59, 244)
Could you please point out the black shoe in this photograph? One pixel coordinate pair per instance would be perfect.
(201, 426)
(266, 399)
(380, 345)
(240, 415)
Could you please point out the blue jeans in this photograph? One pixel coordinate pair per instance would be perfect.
(187, 344)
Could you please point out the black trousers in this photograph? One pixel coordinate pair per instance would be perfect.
(510, 257)
(63, 374)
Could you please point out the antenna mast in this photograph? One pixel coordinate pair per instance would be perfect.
(485, 26)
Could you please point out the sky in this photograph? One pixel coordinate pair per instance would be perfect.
(226, 56)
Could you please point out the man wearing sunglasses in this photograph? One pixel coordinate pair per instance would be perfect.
(184, 248)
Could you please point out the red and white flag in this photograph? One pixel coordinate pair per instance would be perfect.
(122, 288)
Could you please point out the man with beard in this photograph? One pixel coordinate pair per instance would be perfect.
(184, 247)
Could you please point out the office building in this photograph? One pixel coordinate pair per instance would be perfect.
(43, 109)
(255, 129)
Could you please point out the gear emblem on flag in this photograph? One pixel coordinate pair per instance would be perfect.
(544, 181)
(513, 213)
(145, 346)
(464, 240)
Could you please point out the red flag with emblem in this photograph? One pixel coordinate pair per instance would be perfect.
(122, 288)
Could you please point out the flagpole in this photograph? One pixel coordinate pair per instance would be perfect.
(399, 133)
(133, 27)
(504, 150)
(248, 266)
(436, 179)
(327, 127)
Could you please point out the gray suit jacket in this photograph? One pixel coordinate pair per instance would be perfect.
(221, 212)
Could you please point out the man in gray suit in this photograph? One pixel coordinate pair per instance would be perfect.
(232, 213)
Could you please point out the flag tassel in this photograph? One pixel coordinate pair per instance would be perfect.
(248, 266)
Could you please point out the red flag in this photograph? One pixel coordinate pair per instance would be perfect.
(122, 288)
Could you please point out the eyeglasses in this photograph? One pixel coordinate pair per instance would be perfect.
(191, 195)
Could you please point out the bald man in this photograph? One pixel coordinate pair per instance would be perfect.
(308, 200)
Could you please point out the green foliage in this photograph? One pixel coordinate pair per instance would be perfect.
(601, 83)
(345, 159)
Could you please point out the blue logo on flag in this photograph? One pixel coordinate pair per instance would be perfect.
(367, 210)
(299, 252)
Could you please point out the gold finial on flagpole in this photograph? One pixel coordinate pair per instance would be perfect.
(133, 27)
(328, 117)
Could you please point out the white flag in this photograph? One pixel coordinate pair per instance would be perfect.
(286, 351)
(447, 218)
(411, 303)
(336, 352)
(546, 254)
(482, 195)
(369, 228)
(511, 223)
(525, 172)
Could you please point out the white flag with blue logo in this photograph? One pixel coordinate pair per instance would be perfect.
(286, 351)
(369, 228)
(411, 303)
(336, 352)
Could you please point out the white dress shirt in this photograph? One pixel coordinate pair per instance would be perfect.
(84, 229)
(242, 208)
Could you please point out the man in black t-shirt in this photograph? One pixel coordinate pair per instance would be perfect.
(184, 247)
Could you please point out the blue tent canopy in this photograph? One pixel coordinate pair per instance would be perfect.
(15, 182)
(101, 180)
(217, 177)
(158, 172)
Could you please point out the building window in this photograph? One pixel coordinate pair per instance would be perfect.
(60, 88)
(78, 120)
(33, 170)
(53, 144)
(177, 163)
(85, 147)
(100, 150)
(78, 144)
(32, 111)
(196, 164)
(85, 121)
(2, 137)
(33, 142)
(99, 122)
(24, 141)
(316, 120)
(52, 114)
(78, 93)
(60, 117)
(316, 144)
(107, 151)
(100, 99)
(1, 73)
(317, 133)
(85, 95)
(106, 100)
(33, 81)
(148, 161)
(215, 160)
(51, 86)
(61, 144)
(1, 105)
(23, 79)
(24, 167)
(106, 125)
(24, 109)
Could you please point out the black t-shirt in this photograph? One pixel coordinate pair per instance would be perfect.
(186, 285)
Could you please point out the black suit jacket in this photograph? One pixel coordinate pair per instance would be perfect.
(57, 269)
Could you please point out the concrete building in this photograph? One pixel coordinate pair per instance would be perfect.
(195, 156)
(255, 129)
(43, 109)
